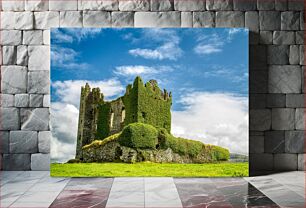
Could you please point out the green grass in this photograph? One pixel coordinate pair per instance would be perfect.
(224, 169)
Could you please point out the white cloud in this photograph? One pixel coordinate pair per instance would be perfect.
(214, 43)
(65, 112)
(66, 58)
(209, 44)
(69, 35)
(167, 41)
(69, 91)
(64, 119)
(233, 31)
(214, 118)
(168, 50)
(207, 48)
(229, 73)
(140, 70)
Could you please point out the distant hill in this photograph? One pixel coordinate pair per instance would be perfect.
(235, 157)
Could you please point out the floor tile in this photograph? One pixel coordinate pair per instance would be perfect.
(81, 198)
(129, 179)
(277, 192)
(125, 199)
(162, 198)
(222, 192)
(89, 184)
(128, 186)
(38, 196)
(30, 205)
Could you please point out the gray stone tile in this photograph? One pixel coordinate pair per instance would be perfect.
(260, 120)
(276, 100)
(285, 79)
(22, 100)
(4, 141)
(126, 199)
(23, 142)
(13, 79)
(96, 19)
(278, 54)
(285, 162)
(36, 100)
(290, 20)
(203, 19)
(294, 141)
(229, 19)
(40, 161)
(163, 198)
(123, 19)
(274, 141)
(135, 186)
(36, 119)
(157, 19)
(283, 37)
(196, 5)
(219, 5)
(294, 54)
(258, 56)
(163, 5)
(16, 162)
(299, 119)
(39, 82)
(269, 20)
(265, 5)
(134, 5)
(44, 139)
(261, 161)
(266, 37)
(244, 5)
(257, 101)
(283, 118)
(258, 82)
(256, 144)
(281, 5)
(301, 165)
(295, 100)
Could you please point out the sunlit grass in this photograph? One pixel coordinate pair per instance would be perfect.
(225, 169)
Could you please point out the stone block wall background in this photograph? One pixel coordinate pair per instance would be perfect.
(276, 68)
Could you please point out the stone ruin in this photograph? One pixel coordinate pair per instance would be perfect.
(98, 118)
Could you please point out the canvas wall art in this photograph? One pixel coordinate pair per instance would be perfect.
(149, 102)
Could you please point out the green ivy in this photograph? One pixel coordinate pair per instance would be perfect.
(147, 105)
(103, 121)
(219, 153)
(143, 103)
(139, 135)
(179, 145)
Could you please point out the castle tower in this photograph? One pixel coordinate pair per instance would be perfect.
(144, 103)
(88, 117)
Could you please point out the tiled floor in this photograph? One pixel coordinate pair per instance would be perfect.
(38, 189)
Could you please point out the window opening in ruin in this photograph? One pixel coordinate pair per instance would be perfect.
(122, 115)
(112, 119)
(143, 115)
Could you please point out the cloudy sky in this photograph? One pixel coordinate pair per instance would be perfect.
(206, 69)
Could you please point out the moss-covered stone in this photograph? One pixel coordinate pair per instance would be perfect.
(143, 142)
(139, 135)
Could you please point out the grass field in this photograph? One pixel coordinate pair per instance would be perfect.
(225, 169)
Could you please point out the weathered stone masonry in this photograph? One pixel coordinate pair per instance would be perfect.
(141, 102)
(276, 67)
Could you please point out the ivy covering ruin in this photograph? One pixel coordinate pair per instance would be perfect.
(135, 127)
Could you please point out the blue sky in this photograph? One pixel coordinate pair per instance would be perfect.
(196, 59)
(199, 66)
